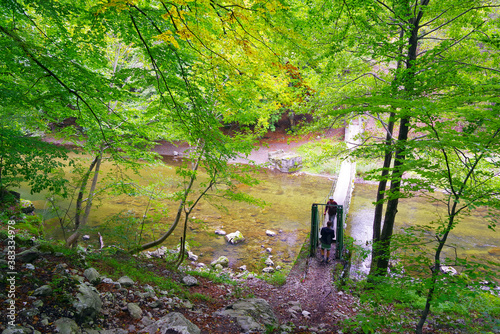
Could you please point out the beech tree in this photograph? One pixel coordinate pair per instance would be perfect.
(425, 72)
(179, 71)
(387, 59)
(459, 156)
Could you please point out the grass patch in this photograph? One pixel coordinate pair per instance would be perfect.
(199, 297)
(277, 278)
(214, 276)
(122, 264)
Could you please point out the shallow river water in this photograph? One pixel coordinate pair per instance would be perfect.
(470, 238)
(288, 213)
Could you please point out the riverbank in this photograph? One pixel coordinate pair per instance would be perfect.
(108, 291)
(279, 139)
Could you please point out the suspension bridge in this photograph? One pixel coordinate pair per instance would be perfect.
(341, 191)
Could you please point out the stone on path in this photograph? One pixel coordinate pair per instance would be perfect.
(92, 275)
(190, 280)
(17, 330)
(126, 281)
(134, 310)
(88, 303)
(251, 314)
(44, 290)
(172, 323)
(67, 326)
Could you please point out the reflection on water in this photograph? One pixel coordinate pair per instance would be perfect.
(289, 198)
(471, 237)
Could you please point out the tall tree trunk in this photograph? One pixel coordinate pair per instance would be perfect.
(377, 219)
(382, 260)
(379, 206)
(383, 247)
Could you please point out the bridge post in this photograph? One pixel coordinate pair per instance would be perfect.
(313, 243)
(340, 232)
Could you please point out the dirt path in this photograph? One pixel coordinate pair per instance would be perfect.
(309, 299)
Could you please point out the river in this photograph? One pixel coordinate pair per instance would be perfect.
(288, 212)
(471, 238)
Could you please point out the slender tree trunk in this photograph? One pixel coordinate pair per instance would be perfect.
(83, 185)
(96, 164)
(178, 216)
(171, 229)
(182, 249)
(435, 270)
(93, 186)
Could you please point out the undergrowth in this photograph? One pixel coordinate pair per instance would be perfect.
(122, 264)
(395, 305)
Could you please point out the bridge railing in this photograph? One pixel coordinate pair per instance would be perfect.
(316, 225)
(347, 200)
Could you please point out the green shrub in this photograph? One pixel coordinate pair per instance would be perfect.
(278, 278)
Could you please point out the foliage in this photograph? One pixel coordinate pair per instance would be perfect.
(392, 304)
(33, 225)
(353, 255)
(129, 73)
(242, 293)
(123, 230)
(322, 156)
(62, 287)
(277, 278)
(28, 159)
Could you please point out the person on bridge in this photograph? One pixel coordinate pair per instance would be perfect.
(327, 236)
(331, 207)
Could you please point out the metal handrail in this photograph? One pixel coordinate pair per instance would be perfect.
(315, 228)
